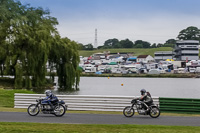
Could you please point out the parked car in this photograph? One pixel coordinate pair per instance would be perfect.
(154, 71)
(197, 70)
(181, 70)
(192, 69)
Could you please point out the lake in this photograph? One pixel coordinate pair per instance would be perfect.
(161, 87)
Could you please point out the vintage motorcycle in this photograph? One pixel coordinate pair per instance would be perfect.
(59, 108)
(151, 110)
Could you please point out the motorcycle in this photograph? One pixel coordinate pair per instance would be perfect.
(59, 108)
(151, 110)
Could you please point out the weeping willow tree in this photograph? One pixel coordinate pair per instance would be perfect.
(64, 54)
(5, 15)
(31, 38)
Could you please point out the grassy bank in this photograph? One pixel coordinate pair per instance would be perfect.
(188, 75)
(9, 127)
(135, 51)
(7, 97)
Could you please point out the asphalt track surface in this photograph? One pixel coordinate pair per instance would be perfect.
(72, 118)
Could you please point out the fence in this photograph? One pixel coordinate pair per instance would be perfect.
(81, 102)
(180, 105)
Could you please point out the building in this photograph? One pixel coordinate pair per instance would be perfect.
(163, 55)
(145, 58)
(186, 50)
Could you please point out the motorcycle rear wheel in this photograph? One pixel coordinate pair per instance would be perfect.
(33, 110)
(128, 111)
(59, 110)
(154, 112)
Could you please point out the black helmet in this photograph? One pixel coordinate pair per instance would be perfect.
(143, 91)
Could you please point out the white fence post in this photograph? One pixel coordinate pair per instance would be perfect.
(81, 102)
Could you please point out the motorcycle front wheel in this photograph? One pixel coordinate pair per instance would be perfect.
(154, 112)
(33, 110)
(128, 111)
(59, 110)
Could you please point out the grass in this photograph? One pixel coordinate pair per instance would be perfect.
(6, 109)
(19, 127)
(135, 51)
(7, 97)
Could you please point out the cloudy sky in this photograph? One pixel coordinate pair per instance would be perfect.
(154, 21)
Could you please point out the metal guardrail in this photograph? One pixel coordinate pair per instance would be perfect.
(180, 105)
(81, 102)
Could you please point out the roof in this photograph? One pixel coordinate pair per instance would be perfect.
(112, 63)
(132, 57)
(163, 52)
(187, 41)
(142, 56)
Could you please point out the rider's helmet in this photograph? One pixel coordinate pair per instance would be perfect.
(48, 93)
(143, 91)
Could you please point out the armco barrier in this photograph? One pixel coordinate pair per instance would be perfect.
(180, 105)
(81, 102)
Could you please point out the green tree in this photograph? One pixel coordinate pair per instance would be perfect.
(138, 46)
(126, 43)
(153, 45)
(8, 10)
(80, 46)
(100, 47)
(31, 34)
(113, 43)
(190, 33)
(88, 47)
(159, 45)
(64, 54)
(27, 37)
(169, 43)
(143, 43)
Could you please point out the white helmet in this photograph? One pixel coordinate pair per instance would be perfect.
(48, 92)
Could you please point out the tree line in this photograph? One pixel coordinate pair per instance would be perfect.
(28, 40)
(190, 33)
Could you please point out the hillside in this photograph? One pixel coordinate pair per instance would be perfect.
(136, 51)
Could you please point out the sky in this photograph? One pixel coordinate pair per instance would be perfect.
(154, 21)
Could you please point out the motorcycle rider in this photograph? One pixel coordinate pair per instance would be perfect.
(50, 98)
(146, 99)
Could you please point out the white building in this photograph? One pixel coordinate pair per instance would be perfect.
(145, 58)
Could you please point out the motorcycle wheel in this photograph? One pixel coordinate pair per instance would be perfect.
(59, 110)
(33, 110)
(154, 112)
(128, 111)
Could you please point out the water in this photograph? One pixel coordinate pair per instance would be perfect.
(161, 87)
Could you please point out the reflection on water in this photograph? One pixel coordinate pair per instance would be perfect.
(162, 87)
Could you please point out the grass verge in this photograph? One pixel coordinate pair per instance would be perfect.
(19, 127)
(4, 109)
(7, 96)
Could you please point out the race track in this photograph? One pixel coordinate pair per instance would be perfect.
(70, 118)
